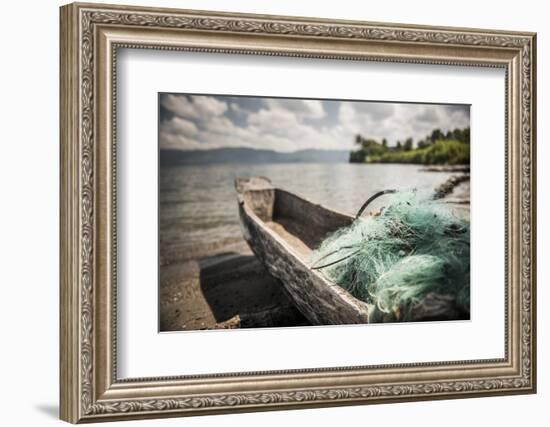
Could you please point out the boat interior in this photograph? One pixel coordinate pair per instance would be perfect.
(302, 224)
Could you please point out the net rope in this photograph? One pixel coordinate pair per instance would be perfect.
(414, 247)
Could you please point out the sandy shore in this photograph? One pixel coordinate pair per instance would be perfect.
(230, 289)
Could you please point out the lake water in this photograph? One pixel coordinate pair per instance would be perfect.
(198, 206)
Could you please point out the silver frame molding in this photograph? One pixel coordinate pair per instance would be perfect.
(90, 37)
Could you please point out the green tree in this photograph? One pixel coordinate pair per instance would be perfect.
(466, 135)
(371, 146)
(451, 147)
(436, 135)
(357, 156)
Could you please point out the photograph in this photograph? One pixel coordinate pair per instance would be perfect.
(269, 212)
(281, 212)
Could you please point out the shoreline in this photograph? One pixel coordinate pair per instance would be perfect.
(447, 168)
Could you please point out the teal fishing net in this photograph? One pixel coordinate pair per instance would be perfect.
(410, 261)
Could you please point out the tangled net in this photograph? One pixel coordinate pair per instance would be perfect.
(410, 262)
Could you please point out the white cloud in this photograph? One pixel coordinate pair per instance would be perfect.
(176, 125)
(302, 108)
(428, 114)
(237, 109)
(375, 110)
(276, 121)
(194, 107)
(201, 122)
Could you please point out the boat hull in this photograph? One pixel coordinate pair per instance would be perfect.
(321, 301)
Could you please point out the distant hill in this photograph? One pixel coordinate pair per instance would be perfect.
(250, 155)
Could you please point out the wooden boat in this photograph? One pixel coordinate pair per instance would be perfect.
(282, 229)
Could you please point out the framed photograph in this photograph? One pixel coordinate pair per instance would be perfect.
(266, 212)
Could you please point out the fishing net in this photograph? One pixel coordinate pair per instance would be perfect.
(410, 261)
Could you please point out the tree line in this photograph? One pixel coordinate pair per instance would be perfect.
(452, 147)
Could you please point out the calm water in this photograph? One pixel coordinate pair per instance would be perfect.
(198, 205)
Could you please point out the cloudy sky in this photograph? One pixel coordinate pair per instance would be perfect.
(198, 122)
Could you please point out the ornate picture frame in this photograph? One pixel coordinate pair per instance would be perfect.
(90, 37)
